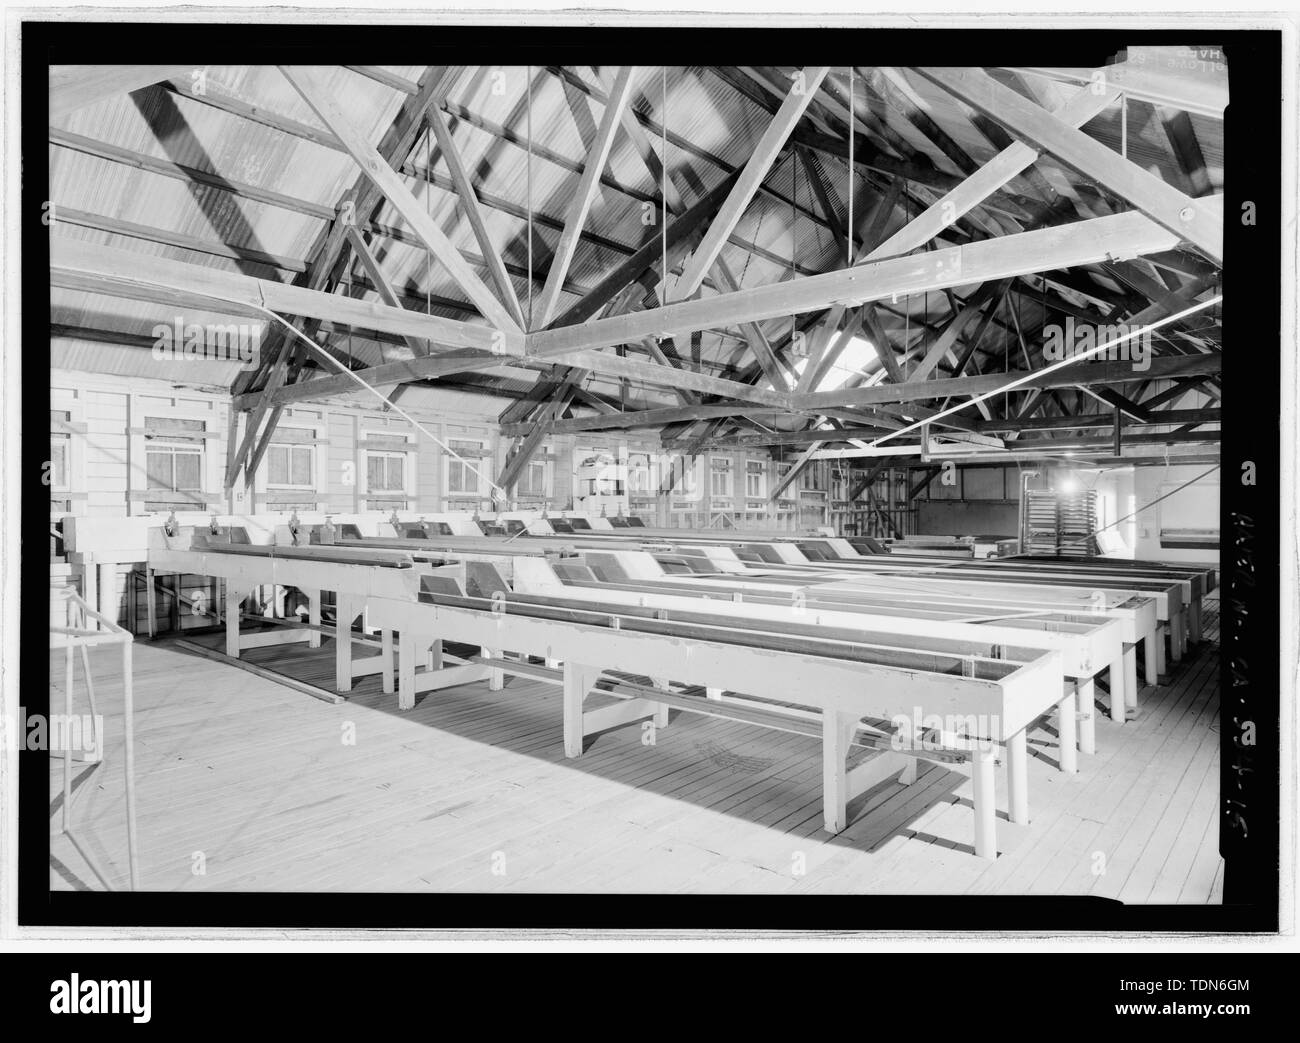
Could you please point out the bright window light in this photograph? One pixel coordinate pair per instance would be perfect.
(853, 361)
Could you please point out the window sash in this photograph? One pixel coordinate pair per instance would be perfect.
(291, 466)
(533, 481)
(462, 479)
(173, 468)
(59, 452)
(385, 472)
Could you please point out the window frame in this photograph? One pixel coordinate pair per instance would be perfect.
(142, 409)
(478, 453)
(718, 467)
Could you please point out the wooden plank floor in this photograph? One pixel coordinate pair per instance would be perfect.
(244, 784)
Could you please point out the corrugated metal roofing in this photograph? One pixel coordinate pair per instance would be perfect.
(494, 115)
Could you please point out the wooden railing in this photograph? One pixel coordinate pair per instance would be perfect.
(86, 627)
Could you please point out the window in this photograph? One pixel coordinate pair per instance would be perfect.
(173, 461)
(59, 474)
(385, 472)
(720, 486)
(534, 480)
(755, 479)
(60, 446)
(463, 477)
(289, 463)
(389, 469)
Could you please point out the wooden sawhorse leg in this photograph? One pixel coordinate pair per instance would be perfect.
(1087, 716)
(578, 681)
(234, 598)
(1067, 730)
(346, 611)
(839, 784)
(313, 617)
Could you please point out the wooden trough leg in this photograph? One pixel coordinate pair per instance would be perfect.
(313, 617)
(1018, 777)
(386, 656)
(986, 826)
(1087, 716)
(150, 601)
(1131, 673)
(496, 678)
(233, 599)
(1118, 692)
(661, 709)
(837, 730)
(1194, 621)
(1067, 727)
(344, 606)
(578, 680)
(405, 670)
(109, 606)
(435, 655)
(1150, 673)
(1162, 662)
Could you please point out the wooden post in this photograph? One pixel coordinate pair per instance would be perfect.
(661, 709)
(67, 709)
(405, 670)
(1067, 730)
(128, 739)
(435, 655)
(232, 620)
(150, 604)
(1131, 674)
(108, 605)
(1149, 671)
(313, 617)
(1018, 777)
(1118, 692)
(174, 609)
(986, 826)
(1087, 717)
(577, 682)
(496, 678)
(386, 660)
(1194, 620)
(1162, 666)
(837, 731)
(343, 607)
